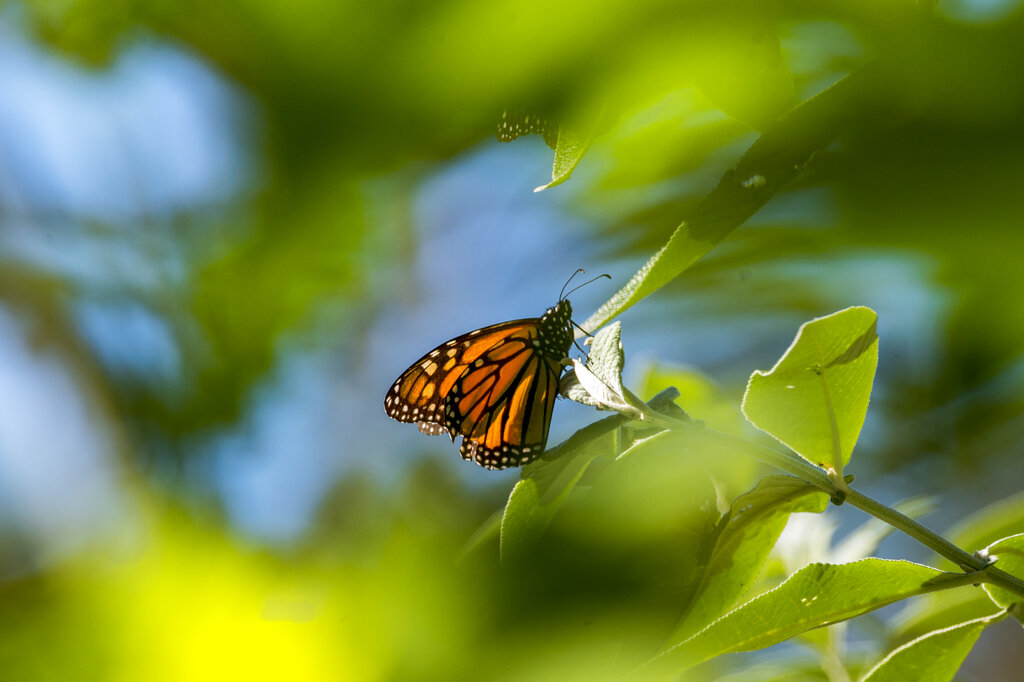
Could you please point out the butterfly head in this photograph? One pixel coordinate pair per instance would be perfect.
(556, 329)
(560, 311)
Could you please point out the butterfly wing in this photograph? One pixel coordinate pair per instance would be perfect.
(495, 387)
(503, 406)
(419, 394)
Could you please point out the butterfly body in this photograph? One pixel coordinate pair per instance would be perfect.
(495, 387)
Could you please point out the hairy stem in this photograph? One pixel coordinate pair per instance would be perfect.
(798, 466)
(929, 538)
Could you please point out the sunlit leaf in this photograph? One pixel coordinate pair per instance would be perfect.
(571, 388)
(606, 356)
(934, 657)
(818, 594)
(574, 139)
(598, 383)
(1010, 553)
(815, 398)
(770, 163)
(753, 525)
(982, 528)
(938, 611)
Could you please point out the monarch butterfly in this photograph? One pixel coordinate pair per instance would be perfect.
(495, 387)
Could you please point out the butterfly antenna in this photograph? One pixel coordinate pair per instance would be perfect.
(560, 296)
(584, 284)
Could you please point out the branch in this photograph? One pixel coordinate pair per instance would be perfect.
(975, 567)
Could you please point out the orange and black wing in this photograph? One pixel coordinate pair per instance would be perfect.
(503, 403)
(419, 394)
(492, 386)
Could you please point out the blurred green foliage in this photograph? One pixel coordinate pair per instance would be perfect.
(350, 93)
(350, 107)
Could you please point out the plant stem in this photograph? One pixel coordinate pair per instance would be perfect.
(926, 537)
(817, 476)
(968, 562)
(788, 462)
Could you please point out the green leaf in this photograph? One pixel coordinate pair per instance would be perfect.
(598, 383)
(934, 657)
(649, 515)
(800, 667)
(516, 122)
(815, 398)
(752, 526)
(571, 388)
(979, 530)
(816, 595)
(939, 610)
(1010, 553)
(583, 386)
(771, 162)
(574, 140)
(546, 482)
(606, 356)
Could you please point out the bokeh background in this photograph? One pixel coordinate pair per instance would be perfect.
(225, 228)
